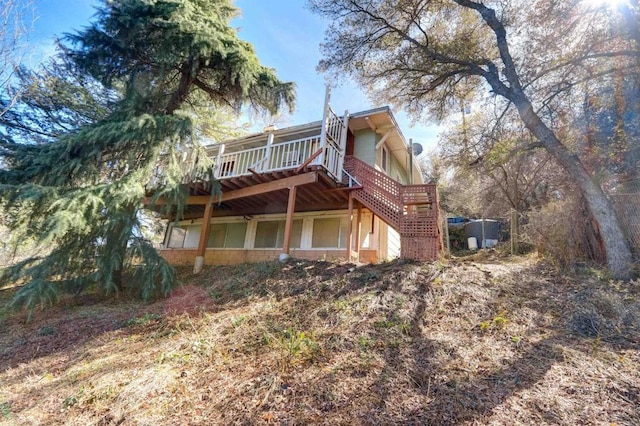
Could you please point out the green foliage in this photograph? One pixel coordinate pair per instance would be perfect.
(298, 345)
(497, 323)
(5, 410)
(70, 401)
(47, 330)
(83, 146)
(143, 320)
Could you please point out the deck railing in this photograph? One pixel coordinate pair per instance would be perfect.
(311, 151)
(327, 151)
(277, 157)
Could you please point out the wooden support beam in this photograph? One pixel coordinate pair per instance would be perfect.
(341, 189)
(349, 226)
(308, 161)
(357, 236)
(384, 139)
(291, 207)
(256, 175)
(261, 188)
(204, 238)
(370, 124)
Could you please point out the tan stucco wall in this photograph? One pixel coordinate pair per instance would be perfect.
(186, 257)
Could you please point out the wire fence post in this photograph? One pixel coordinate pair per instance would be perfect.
(446, 234)
(513, 231)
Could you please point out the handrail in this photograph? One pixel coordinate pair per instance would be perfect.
(390, 199)
(277, 157)
(350, 179)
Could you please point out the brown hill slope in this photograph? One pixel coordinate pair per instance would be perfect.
(324, 343)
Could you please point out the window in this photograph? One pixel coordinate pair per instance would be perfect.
(227, 235)
(385, 158)
(329, 233)
(176, 238)
(270, 234)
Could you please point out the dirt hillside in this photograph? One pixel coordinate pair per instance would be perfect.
(488, 341)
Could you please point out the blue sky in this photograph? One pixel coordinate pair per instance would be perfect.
(286, 36)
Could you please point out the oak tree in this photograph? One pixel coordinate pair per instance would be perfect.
(527, 54)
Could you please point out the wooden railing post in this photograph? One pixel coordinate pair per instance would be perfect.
(357, 236)
(268, 154)
(343, 143)
(350, 227)
(323, 130)
(218, 165)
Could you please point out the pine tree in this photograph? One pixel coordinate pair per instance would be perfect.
(78, 188)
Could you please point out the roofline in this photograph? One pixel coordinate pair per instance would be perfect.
(380, 110)
(311, 125)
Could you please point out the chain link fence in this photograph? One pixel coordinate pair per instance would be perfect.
(626, 201)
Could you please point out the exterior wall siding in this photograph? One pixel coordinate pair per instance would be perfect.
(398, 172)
(369, 242)
(393, 245)
(186, 257)
(193, 228)
(365, 146)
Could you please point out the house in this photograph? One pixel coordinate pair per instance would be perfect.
(345, 187)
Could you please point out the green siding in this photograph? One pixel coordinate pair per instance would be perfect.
(397, 170)
(365, 146)
(365, 150)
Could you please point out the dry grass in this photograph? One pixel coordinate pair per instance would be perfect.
(469, 342)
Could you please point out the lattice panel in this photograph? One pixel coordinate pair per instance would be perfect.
(379, 192)
(419, 194)
(387, 212)
(424, 249)
(365, 174)
(411, 209)
(419, 220)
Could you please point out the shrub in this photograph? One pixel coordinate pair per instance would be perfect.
(561, 232)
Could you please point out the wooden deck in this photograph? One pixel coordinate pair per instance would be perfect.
(263, 193)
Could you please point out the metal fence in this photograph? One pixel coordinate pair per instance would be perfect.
(626, 202)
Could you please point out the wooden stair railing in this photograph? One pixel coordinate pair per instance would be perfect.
(412, 210)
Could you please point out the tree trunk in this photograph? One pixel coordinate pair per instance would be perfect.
(118, 248)
(615, 244)
(616, 248)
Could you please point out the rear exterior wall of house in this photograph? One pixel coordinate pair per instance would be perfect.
(314, 236)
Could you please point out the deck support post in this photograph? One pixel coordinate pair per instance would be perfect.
(357, 236)
(204, 238)
(291, 207)
(350, 227)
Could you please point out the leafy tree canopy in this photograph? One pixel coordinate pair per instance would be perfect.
(87, 136)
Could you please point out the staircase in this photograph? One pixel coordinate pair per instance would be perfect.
(412, 210)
